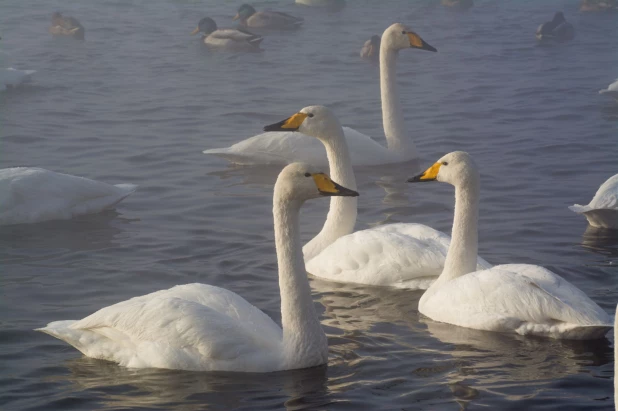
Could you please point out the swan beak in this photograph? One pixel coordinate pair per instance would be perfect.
(430, 174)
(236, 17)
(417, 42)
(289, 124)
(194, 32)
(328, 187)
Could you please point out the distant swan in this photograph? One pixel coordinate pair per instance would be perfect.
(206, 328)
(400, 255)
(371, 48)
(522, 298)
(611, 90)
(66, 26)
(269, 148)
(558, 30)
(32, 195)
(602, 211)
(227, 39)
(598, 5)
(249, 17)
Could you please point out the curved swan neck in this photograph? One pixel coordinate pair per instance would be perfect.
(342, 213)
(304, 341)
(392, 116)
(463, 251)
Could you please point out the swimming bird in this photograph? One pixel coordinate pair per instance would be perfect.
(558, 30)
(327, 4)
(401, 255)
(602, 211)
(66, 26)
(371, 48)
(201, 327)
(521, 298)
(458, 4)
(32, 195)
(228, 39)
(249, 17)
(611, 90)
(269, 148)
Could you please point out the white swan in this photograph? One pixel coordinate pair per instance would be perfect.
(206, 328)
(602, 211)
(10, 77)
(611, 90)
(401, 255)
(520, 298)
(31, 195)
(269, 148)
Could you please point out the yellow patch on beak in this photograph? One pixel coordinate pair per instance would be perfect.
(194, 32)
(294, 122)
(236, 17)
(415, 40)
(325, 184)
(431, 173)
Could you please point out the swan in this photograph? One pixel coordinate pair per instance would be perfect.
(602, 211)
(10, 77)
(228, 39)
(401, 255)
(611, 90)
(206, 328)
(32, 195)
(522, 298)
(66, 26)
(249, 17)
(558, 30)
(371, 48)
(273, 148)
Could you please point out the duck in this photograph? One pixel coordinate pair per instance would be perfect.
(66, 26)
(274, 148)
(611, 90)
(327, 4)
(458, 4)
(598, 5)
(602, 211)
(249, 17)
(558, 30)
(200, 327)
(371, 48)
(32, 195)
(227, 39)
(399, 255)
(512, 298)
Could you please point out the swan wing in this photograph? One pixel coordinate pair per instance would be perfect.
(401, 255)
(190, 327)
(34, 194)
(523, 298)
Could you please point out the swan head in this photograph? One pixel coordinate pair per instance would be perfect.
(206, 26)
(244, 12)
(300, 181)
(314, 121)
(456, 168)
(399, 37)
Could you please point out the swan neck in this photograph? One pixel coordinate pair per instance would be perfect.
(463, 251)
(392, 114)
(304, 341)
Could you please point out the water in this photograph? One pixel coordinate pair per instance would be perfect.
(140, 99)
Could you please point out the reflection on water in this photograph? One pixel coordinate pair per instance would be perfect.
(602, 241)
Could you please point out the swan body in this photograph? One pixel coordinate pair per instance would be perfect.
(371, 48)
(205, 328)
(520, 298)
(10, 77)
(611, 90)
(251, 18)
(558, 30)
(227, 39)
(66, 26)
(282, 149)
(602, 211)
(31, 195)
(401, 255)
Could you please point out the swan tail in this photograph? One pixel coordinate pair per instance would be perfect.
(127, 188)
(579, 209)
(62, 330)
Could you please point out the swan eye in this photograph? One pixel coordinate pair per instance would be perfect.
(310, 115)
(307, 174)
(445, 163)
(403, 32)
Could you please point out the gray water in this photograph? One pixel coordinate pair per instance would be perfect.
(140, 99)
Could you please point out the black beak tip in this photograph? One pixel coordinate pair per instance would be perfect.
(429, 47)
(416, 179)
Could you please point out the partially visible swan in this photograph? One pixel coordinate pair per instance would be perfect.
(371, 48)
(329, 4)
(602, 211)
(227, 39)
(249, 17)
(401, 255)
(270, 148)
(10, 77)
(557, 30)
(611, 90)
(32, 195)
(66, 26)
(206, 328)
(521, 298)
